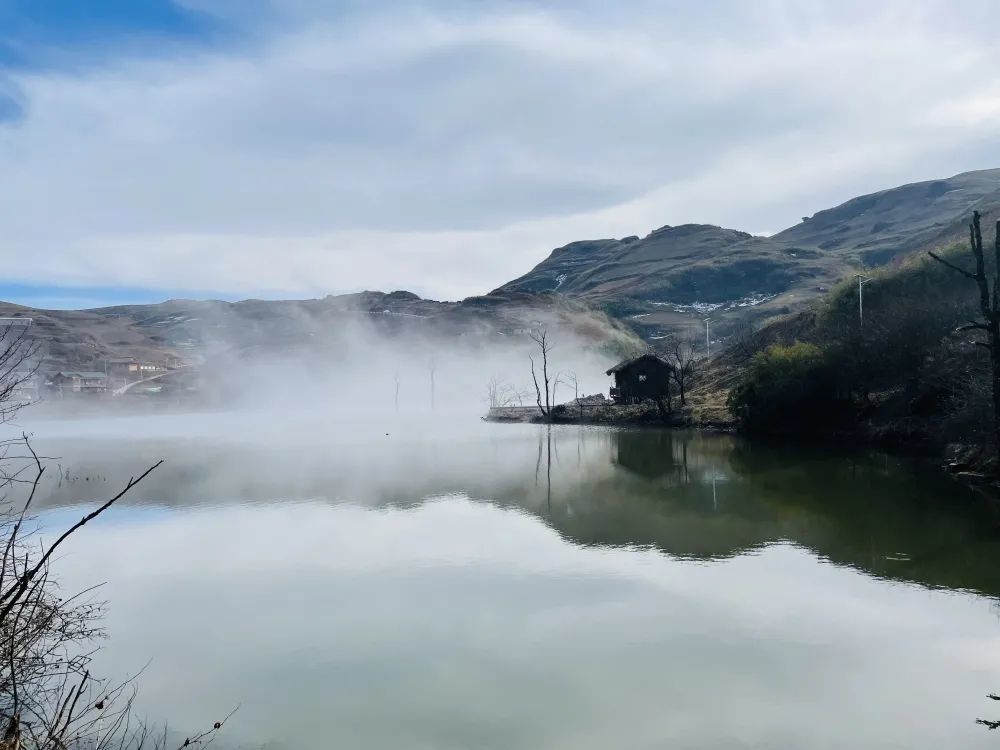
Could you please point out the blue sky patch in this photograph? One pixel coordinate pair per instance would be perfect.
(49, 297)
(45, 33)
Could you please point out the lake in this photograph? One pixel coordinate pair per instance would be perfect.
(401, 585)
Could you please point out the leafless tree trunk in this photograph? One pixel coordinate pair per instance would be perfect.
(746, 341)
(572, 380)
(541, 338)
(395, 379)
(682, 356)
(989, 305)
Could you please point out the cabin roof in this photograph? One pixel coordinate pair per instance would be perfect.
(625, 364)
(80, 374)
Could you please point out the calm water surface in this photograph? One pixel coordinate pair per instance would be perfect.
(505, 586)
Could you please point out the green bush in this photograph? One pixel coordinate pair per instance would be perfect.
(789, 390)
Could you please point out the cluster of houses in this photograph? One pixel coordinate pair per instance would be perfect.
(117, 375)
(30, 384)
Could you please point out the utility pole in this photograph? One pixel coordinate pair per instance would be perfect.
(708, 340)
(862, 280)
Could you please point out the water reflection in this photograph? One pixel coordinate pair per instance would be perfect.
(687, 494)
(514, 586)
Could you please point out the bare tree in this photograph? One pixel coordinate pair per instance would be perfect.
(500, 394)
(49, 700)
(989, 305)
(541, 337)
(682, 356)
(493, 392)
(518, 394)
(18, 365)
(746, 340)
(569, 377)
(395, 380)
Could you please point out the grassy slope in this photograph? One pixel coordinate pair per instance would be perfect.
(912, 308)
(708, 264)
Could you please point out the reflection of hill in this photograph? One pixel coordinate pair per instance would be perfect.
(688, 495)
(721, 497)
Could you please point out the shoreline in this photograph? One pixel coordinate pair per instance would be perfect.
(962, 463)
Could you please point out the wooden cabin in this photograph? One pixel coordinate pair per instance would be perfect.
(644, 377)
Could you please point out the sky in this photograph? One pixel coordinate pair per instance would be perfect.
(152, 149)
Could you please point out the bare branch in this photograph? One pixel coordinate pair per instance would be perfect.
(973, 327)
(26, 577)
(952, 266)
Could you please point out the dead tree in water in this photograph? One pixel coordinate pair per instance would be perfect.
(541, 337)
(989, 305)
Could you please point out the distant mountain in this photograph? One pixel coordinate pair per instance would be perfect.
(192, 331)
(684, 264)
(670, 279)
(675, 276)
(878, 227)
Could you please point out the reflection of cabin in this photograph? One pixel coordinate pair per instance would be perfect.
(80, 382)
(640, 378)
(648, 454)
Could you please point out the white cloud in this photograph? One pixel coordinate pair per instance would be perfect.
(447, 149)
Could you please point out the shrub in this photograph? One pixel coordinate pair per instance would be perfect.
(787, 390)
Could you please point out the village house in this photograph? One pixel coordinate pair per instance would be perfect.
(644, 377)
(126, 368)
(79, 381)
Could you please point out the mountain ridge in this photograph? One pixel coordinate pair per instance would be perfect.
(667, 280)
(674, 275)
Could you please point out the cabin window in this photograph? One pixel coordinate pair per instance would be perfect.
(642, 378)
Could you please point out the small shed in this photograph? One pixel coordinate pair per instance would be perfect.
(644, 377)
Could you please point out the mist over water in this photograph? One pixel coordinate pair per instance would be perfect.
(399, 581)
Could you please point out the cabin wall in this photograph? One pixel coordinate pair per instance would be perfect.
(643, 380)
